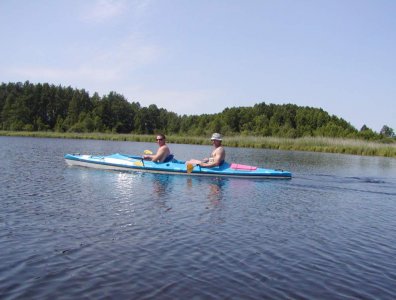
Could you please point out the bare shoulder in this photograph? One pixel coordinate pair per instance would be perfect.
(166, 149)
(219, 154)
(220, 150)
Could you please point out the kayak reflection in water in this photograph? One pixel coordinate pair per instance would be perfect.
(216, 158)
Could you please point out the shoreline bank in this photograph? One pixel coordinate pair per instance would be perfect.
(312, 144)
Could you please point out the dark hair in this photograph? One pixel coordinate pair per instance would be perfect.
(162, 135)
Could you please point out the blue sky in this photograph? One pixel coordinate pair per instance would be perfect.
(201, 56)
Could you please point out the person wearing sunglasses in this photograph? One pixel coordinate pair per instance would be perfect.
(216, 158)
(163, 152)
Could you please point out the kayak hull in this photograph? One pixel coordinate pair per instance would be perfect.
(122, 162)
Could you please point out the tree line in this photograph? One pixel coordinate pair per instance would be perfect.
(45, 107)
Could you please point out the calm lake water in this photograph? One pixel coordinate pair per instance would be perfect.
(70, 232)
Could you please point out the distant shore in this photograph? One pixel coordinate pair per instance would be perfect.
(315, 144)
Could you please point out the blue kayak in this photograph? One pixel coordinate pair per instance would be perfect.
(122, 162)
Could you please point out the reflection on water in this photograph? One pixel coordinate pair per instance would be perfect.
(210, 188)
(209, 196)
(162, 185)
(126, 181)
(216, 191)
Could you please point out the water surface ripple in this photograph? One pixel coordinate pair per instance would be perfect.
(68, 232)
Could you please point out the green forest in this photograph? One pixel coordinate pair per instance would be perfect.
(45, 107)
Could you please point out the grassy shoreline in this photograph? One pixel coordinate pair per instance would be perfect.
(314, 144)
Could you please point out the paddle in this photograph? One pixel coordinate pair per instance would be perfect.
(141, 162)
(190, 168)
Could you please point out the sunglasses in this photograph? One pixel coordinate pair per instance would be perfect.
(159, 139)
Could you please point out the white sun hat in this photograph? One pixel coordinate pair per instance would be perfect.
(216, 136)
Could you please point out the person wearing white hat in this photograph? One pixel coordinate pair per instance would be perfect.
(216, 158)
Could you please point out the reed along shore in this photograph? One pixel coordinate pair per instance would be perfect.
(314, 144)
